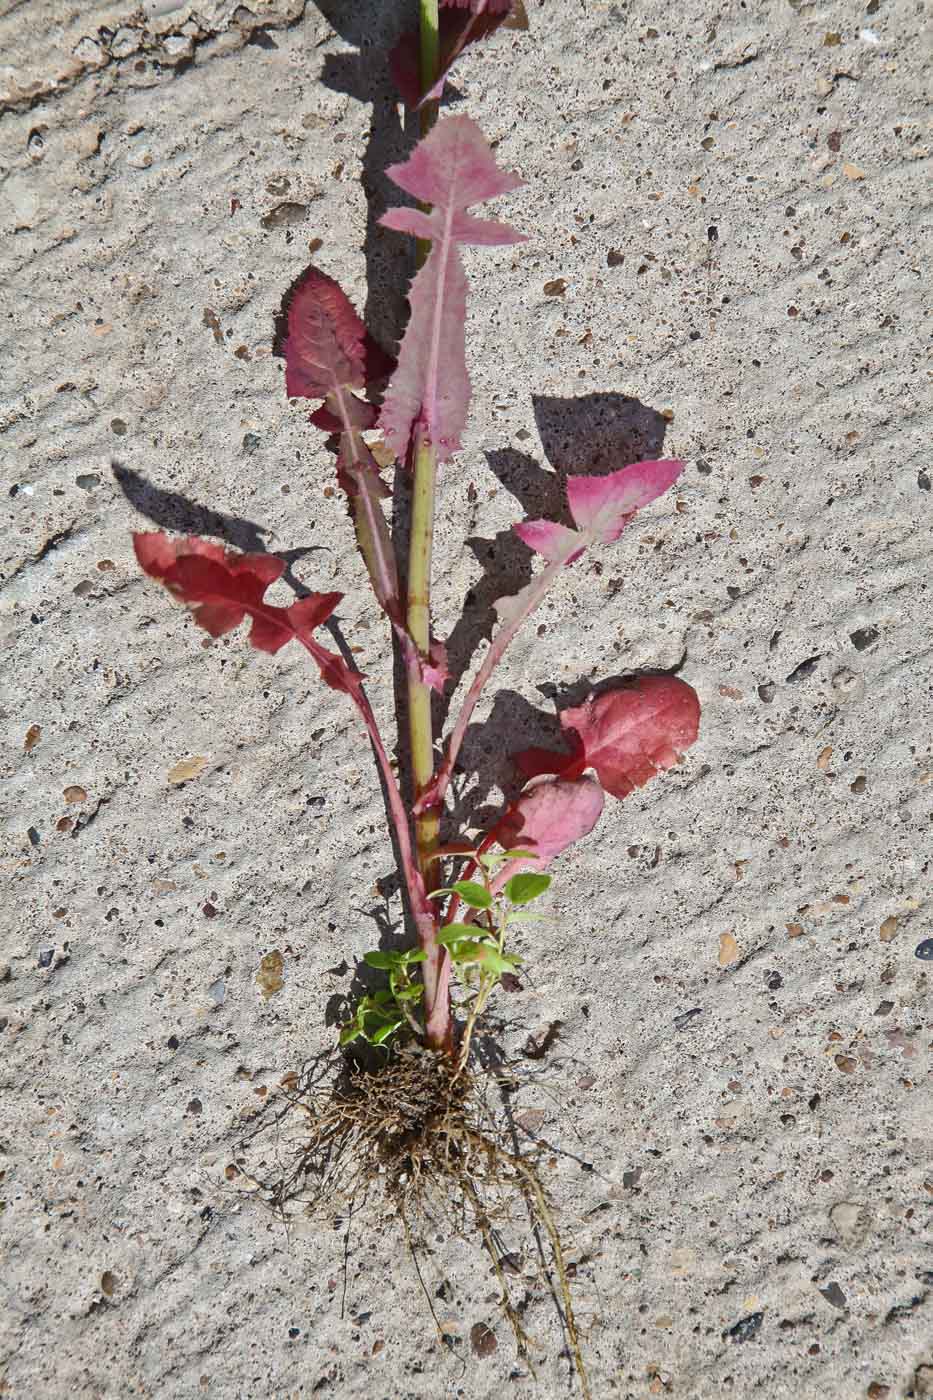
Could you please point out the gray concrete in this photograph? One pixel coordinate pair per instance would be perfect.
(733, 198)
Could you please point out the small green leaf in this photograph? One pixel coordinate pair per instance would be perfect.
(485, 955)
(476, 896)
(349, 1033)
(468, 951)
(414, 955)
(455, 933)
(379, 999)
(409, 993)
(522, 889)
(384, 1032)
(524, 916)
(518, 855)
(383, 961)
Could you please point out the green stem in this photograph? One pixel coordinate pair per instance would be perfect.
(420, 726)
(430, 58)
(419, 626)
(421, 732)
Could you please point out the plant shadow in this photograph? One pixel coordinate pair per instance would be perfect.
(364, 77)
(593, 435)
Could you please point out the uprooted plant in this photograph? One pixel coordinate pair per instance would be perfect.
(467, 899)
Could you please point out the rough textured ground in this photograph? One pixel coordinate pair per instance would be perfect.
(726, 215)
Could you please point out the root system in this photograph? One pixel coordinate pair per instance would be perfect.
(420, 1133)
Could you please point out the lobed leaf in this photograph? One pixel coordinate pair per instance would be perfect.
(601, 507)
(451, 169)
(222, 588)
(558, 544)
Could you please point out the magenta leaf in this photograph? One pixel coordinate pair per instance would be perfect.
(435, 670)
(451, 169)
(462, 22)
(547, 817)
(601, 507)
(628, 734)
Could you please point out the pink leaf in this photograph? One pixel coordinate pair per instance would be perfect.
(435, 670)
(628, 735)
(602, 506)
(451, 169)
(548, 816)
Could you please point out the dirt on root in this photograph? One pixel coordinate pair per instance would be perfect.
(420, 1133)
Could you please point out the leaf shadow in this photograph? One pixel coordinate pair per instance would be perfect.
(173, 510)
(597, 433)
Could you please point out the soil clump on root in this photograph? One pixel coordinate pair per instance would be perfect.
(419, 1132)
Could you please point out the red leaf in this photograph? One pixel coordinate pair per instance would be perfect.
(329, 355)
(531, 763)
(222, 588)
(628, 735)
(548, 816)
(462, 22)
(325, 346)
(450, 169)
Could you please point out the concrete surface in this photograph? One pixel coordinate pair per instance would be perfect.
(728, 222)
